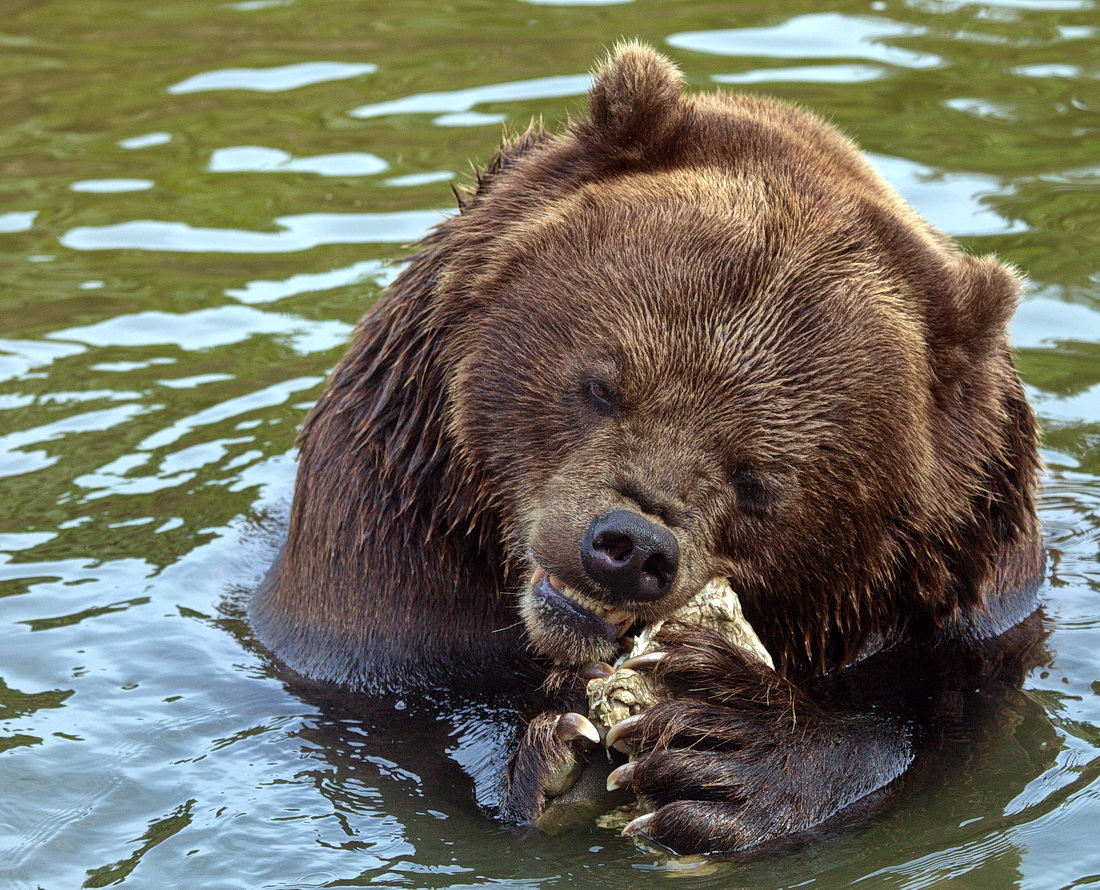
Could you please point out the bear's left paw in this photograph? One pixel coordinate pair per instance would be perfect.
(713, 780)
(737, 757)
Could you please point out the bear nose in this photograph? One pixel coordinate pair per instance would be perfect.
(632, 558)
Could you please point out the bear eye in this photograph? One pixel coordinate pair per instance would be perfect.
(601, 397)
(753, 493)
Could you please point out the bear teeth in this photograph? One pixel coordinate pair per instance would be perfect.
(608, 613)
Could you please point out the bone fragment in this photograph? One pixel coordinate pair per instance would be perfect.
(627, 692)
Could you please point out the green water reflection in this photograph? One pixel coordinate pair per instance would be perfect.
(197, 200)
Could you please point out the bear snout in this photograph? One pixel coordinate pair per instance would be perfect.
(630, 557)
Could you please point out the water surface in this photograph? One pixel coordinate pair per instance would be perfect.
(197, 200)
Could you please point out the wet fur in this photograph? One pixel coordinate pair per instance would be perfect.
(832, 420)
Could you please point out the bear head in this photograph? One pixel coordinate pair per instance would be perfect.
(700, 337)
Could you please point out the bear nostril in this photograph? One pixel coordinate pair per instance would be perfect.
(630, 557)
(660, 568)
(618, 546)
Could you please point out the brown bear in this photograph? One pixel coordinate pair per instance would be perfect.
(690, 337)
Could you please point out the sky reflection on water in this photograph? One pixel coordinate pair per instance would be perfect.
(198, 202)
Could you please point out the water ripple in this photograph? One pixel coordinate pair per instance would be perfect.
(302, 232)
(465, 100)
(806, 74)
(207, 328)
(17, 357)
(257, 158)
(576, 2)
(269, 291)
(18, 221)
(414, 179)
(1032, 5)
(825, 35)
(146, 140)
(269, 396)
(111, 186)
(272, 80)
(15, 461)
(953, 201)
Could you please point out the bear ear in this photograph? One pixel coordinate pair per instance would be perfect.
(635, 101)
(972, 318)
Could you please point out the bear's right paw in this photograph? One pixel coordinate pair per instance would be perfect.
(551, 757)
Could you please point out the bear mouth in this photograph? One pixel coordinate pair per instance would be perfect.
(573, 608)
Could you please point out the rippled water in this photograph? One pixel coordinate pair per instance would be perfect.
(196, 203)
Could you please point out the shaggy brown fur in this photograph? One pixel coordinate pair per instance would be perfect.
(711, 311)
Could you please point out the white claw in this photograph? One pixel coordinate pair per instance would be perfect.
(576, 726)
(643, 662)
(639, 826)
(621, 776)
(614, 735)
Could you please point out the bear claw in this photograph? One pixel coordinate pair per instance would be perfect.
(621, 776)
(644, 661)
(614, 735)
(576, 726)
(597, 670)
(638, 826)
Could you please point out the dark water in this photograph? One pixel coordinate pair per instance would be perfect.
(195, 202)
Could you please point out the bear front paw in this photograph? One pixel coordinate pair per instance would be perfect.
(708, 779)
(549, 761)
(736, 758)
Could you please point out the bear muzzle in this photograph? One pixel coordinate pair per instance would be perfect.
(622, 572)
